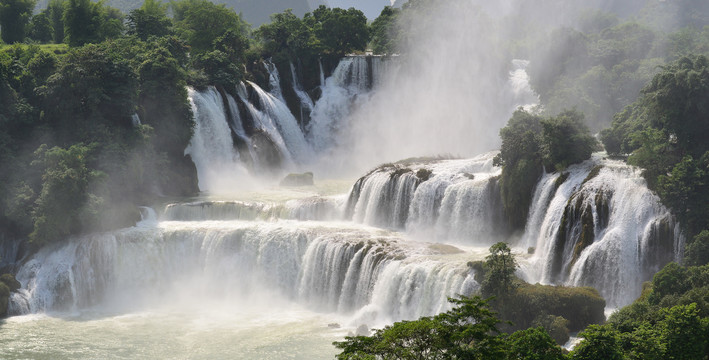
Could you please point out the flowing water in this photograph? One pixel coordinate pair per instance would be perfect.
(263, 272)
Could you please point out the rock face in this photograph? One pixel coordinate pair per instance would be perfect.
(304, 179)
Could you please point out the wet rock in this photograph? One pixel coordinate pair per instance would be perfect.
(304, 179)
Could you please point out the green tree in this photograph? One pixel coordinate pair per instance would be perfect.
(468, 331)
(40, 28)
(89, 22)
(500, 268)
(682, 333)
(566, 140)
(339, 31)
(384, 31)
(93, 96)
(200, 22)
(149, 20)
(521, 161)
(288, 34)
(62, 205)
(14, 18)
(599, 342)
(55, 11)
(532, 344)
(697, 251)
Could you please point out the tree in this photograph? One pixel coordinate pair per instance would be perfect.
(40, 28)
(287, 34)
(599, 342)
(697, 251)
(149, 20)
(468, 331)
(500, 268)
(566, 140)
(521, 160)
(682, 333)
(55, 11)
(384, 31)
(339, 31)
(62, 205)
(201, 22)
(14, 17)
(89, 22)
(532, 344)
(92, 97)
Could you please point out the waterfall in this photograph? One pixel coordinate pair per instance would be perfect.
(331, 267)
(349, 84)
(452, 200)
(597, 224)
(212, 148)
(306, 103)
(521, 92)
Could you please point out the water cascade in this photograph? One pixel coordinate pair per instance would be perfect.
(212, 148)
(393, 247)
(595, 225)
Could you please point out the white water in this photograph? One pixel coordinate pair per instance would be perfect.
(633, 236)
(211, 148)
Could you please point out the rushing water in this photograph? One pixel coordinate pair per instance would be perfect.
(283, 272)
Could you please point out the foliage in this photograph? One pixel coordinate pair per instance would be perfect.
(40, 28)
(339, 31)
(520, 158)
(565, 140)
(697, 251)
(14, 18)
(55, 11)
(532, 344)
(468, 331)
(500, 268)
(384, 31)
(599, 342)
(149, 20)
(666, 132)
(200, 22)
(89, 22)
(529, 142)
(63, 204)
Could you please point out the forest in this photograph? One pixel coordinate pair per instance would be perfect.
(95, 118)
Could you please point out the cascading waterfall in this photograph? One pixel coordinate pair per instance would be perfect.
(348, 86)
(595, 225)
(212, 148)
(330, 266)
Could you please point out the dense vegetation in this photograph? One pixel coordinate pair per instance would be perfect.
(532, 143)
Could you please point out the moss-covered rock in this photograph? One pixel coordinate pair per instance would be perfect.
(10, 281)
(4, 299)
(581, 306)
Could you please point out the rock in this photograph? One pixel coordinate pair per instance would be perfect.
(304, 179)
(362, 330)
